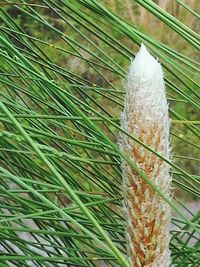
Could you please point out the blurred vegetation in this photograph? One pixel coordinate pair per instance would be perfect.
(136, 16)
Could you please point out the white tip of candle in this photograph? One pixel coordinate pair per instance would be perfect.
(145, 65)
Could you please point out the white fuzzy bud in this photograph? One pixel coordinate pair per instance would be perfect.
(145, 116)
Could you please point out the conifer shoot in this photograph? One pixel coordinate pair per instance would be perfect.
(145, 116)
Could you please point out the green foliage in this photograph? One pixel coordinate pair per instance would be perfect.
(62, 67)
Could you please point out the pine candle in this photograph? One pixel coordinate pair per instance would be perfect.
(146, 117)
